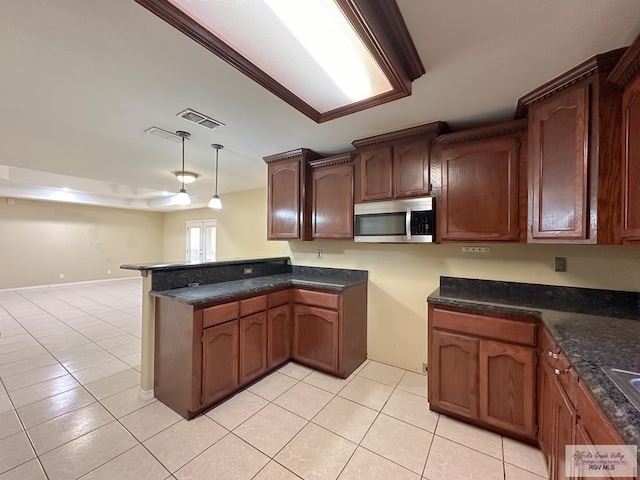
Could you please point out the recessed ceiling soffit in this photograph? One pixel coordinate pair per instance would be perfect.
(262, 40)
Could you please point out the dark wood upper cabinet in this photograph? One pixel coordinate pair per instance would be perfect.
(289, 199)
(479, 196)
(411, 169)
(376, 178)
(396, 164)
(575, 155)
(626, 74)
(559, 153)
(332, 192)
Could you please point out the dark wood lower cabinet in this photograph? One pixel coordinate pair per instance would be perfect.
(206, 353)
(253, 346)
(315, 334)
(482, 369)
(453, 376)
(219, 361)
(507, 387)
(563, 422)
(491, 383)
(330, 329)
(279, 334)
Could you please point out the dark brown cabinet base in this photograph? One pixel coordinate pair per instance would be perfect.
(482, 369)
(204, 354)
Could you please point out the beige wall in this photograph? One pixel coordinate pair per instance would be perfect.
(241, 228)
(402, 276)
(41, 240)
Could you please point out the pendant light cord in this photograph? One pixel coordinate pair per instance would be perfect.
(182, 163)
(216, 190)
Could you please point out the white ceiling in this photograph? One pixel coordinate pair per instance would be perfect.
(82, 79)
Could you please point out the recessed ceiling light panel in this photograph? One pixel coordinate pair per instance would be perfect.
(199, 119)
(326, 58)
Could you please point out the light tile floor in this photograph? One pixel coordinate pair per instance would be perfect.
(69, 361)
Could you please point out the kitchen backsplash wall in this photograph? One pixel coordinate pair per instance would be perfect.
(402, 276)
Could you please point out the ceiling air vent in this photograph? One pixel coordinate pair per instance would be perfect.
(200, 119)
(167, 135)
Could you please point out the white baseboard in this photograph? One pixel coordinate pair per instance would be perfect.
(145, 394)
(66, 284)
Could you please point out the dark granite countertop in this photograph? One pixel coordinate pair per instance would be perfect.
(323, 278)
(154, 266)
(595, 329)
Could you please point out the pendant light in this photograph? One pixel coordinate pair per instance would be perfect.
(215, 200)
(183, 197)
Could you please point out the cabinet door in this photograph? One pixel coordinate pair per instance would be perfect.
(333, 202)
(507, 387)
(283, 209)
(558, 157)
(545, 406)
(479, 198)
(564, 417)
(316, 336)
(219, 361)
(279, 335)
(631, 163)
(253, 346)
(453, 373)
(411, 169)
(376, 174)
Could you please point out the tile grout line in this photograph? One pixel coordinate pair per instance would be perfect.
(25, 430)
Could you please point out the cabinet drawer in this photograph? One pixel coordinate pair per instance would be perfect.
(319, 299)
(491, 327)
(219, 314)
(253, 305)
(279, 298)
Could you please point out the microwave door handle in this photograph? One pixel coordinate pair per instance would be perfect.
(407, 224)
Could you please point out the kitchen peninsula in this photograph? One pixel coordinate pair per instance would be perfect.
(212, 328)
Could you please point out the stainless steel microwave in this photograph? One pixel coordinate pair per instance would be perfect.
(410, 220)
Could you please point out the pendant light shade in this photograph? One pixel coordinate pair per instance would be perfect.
(215, 201)
(183, 197)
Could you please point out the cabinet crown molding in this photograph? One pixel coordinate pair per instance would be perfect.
(484, 132)
(297, 154)
(428, 130)
(602, 63)
(341, 159)
(628, 66)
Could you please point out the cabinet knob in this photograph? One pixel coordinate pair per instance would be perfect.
(561, 372)
(553, 355)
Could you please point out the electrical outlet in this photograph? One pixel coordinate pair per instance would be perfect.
(62, 275)
(248, 270)
(425, 367)
(476, 249)
(561, 264)
(108, 272)
(319, 254)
